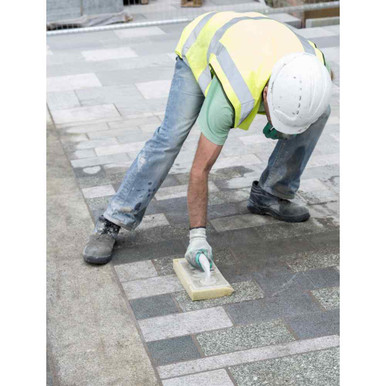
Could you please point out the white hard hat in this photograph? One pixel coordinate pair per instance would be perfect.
(299, 91)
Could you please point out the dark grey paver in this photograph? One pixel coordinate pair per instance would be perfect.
(173, 350)
(164, 265)
(244, 291)
(244, 337)
(271, 308)
(153, 306)
(324, 277)
(319, 368)
(315, 324)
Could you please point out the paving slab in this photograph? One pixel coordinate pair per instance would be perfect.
(135, 271)
(244, 291)
(247, 356)
(244, 337)
(310, 369)
(153, 306)
(186, 323)
(209, 378)
(108, 54)
(72, 82)
(327, 297)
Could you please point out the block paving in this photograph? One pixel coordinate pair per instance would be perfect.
(106, 94)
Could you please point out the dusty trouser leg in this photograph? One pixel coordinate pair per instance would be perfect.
(286, 164)
(154, 161)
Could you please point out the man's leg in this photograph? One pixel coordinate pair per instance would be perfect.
(127, 207)
(281, 179)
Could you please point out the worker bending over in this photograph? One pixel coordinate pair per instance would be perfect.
(230, 66)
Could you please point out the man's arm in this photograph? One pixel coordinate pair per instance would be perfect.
(206, 155)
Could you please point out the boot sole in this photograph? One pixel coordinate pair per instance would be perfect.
(269, 212)
(97, 260)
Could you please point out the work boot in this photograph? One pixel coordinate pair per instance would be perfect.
(262, 202)
(100, 245)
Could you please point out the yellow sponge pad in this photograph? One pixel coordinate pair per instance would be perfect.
(195, 284)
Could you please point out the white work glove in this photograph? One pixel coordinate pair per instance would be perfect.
(198, 245)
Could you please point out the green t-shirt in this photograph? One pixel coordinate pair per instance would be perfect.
(217, 116)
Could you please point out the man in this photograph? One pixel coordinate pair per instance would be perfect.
(230, 66)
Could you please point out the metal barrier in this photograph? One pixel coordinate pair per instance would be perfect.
(186, 15)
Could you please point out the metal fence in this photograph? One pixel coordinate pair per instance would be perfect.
(161, 12)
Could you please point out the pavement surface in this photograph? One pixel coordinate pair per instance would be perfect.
(130, 322)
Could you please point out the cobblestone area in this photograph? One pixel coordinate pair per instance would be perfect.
(106, 93)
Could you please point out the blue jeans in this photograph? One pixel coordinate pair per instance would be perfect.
(146, 174)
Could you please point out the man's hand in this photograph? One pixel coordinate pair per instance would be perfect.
(198, 245)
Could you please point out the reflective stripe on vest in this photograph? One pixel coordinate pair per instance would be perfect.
(237, 88)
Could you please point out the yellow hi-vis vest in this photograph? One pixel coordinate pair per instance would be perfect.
(241, 49)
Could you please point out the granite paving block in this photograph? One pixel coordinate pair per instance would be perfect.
(247, 159)
(172, 192)
(327, 41)
(173, 350)
(135, 33)
(315, 324)
(98, 191)
(210, 378)
(72, 82)
(153, 306)
(319, 196)
(174, 325)
(134, 147)
(314, 260)
(323, 160)
(164, 265)
(87, 153)
(119, 95)
(271, 308)
(103, 160)
(323, 277)
(96, 143)
(154, 89)
(244, 291)
(152, 221)
(131, 122)
(244, 337)
(108, 54)
(319, 368)
(85, 113)
(282, 280)
(310, 33)
(87, 128)
(229, 196)
(105, 134)
(247, 356)
(152, 286)
(236, 183)
(312, 184)
(134, 271)
(327, 297)
(62, 100)
(98, 203)
(240, 222)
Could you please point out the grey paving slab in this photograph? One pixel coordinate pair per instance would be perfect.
(86, 128)
(244, 337)
(313, 260)
(153, 221)
(173, 350)
(134, 271)
(323, 277)
(108, 54)
(319, 368)
(98, 191)
(310, 33)
(209, 378)
(164, 266)
(102, 160)
(240, 222)
(118, 95)
(153, 306)
(327, 297)
(328, 41)
(135, 33)
(271, 308)
(154, 89)
(174, 325)
(151, 286)
(133, 147)
(314, 324)
(72, 82)
(87, 153)
(85, 113)
(62, 100)
(247, 356)
(244, 291)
